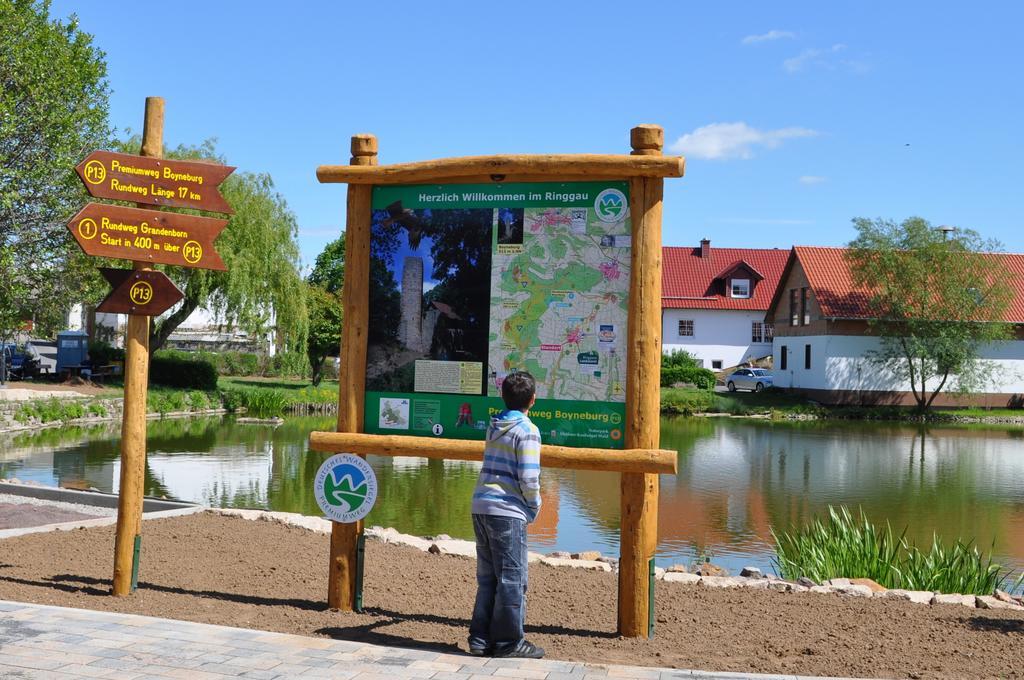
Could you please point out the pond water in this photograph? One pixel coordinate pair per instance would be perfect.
(737, 480)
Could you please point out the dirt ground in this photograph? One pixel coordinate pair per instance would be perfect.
(20, 515)
(256, 574)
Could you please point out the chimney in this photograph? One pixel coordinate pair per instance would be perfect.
(705, 247)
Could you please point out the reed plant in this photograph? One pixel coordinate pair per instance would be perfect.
(848, 547)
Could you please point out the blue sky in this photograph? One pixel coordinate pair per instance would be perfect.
(794, 117)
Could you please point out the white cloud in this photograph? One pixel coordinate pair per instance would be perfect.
(722, 141)
(773, 34)
(811, 179)
(813, 56)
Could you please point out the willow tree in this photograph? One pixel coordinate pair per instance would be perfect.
(53, 111)
(935, 298)
(261, 291)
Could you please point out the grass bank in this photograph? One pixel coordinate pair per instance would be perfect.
(780, 405)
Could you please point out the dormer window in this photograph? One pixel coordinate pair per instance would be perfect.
(741, 288)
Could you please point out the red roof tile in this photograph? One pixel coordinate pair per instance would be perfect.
(688, 280)
(829, 276)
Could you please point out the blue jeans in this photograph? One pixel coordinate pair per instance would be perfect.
(501, 575)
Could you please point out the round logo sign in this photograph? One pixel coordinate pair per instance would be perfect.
(610, 205)
(345, 488)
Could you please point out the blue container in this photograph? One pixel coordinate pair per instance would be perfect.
(72, 348)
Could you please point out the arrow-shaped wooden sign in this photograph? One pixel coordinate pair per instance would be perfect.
(155, 181)
(148, 236)
(141, 292)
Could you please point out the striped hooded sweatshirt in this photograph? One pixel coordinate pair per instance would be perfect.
(509, 482)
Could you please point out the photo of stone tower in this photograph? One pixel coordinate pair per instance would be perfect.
(410, 331)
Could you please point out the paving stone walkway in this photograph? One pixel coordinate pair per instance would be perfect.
(38, 641)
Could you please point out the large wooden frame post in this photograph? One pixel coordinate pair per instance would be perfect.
(639, 502)
(355, 301)
(136, 383)
(641, 461)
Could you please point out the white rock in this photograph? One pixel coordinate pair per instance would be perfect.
(659, 574)
(853, 590)
(915, 596)
(681, 577)
(838, 582)
(532, 557)
(990, 602)
(946, 598)
(823, 590)
(453, 547)
(755, 583)
(721, 581)
(588, 565)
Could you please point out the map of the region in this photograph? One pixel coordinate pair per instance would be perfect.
(559, 304)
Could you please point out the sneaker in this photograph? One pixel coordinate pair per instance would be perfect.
(476, 650)
(524, 650)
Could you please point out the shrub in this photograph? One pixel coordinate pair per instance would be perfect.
(288, 365)
(231, 399)
(177, 369)
(849, 548)
(198, 400)
(680, 358)
(97, 409)
(700, 377)
(102, 353)
(264, 402)
(687, 402)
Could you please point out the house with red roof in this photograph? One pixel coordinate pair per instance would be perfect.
(823, 340)
(713, 302)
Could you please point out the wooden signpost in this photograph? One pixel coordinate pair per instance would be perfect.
(146, 237)
(138, 291)
(155, 181)
(639, 464)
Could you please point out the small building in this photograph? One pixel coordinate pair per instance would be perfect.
(713, 302)
(823, 340)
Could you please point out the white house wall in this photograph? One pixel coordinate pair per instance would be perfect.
(840, 362)
(718, 334)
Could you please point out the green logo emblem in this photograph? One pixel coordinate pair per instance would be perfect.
(610, 205)
(345, 488)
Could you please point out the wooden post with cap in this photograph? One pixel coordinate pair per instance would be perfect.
(136, 383)
(355, 301)
(639, 502)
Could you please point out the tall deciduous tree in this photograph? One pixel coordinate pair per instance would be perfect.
(53, 111)
(324, 329)
(262, 290)
(935, 300)
(324, 295)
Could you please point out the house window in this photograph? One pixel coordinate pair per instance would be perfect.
(686, 328)
(794, 317)
(741, 288)
(782, 358)
(807, 357)
(716, 364)
(805, 312)
(761, 332)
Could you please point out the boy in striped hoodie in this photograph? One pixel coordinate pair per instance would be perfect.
(506, 499)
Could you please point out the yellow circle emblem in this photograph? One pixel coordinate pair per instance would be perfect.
(141, 293)
(95, 172)
(87, 228)
(192, 252)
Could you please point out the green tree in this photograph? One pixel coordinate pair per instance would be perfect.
(324, 296)
(934, 300)
(53, 111)
(329, 270)
(324, 329)
(261, 289)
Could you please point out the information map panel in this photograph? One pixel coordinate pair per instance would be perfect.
(470, 282)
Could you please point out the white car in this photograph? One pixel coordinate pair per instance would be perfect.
(755, 379)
